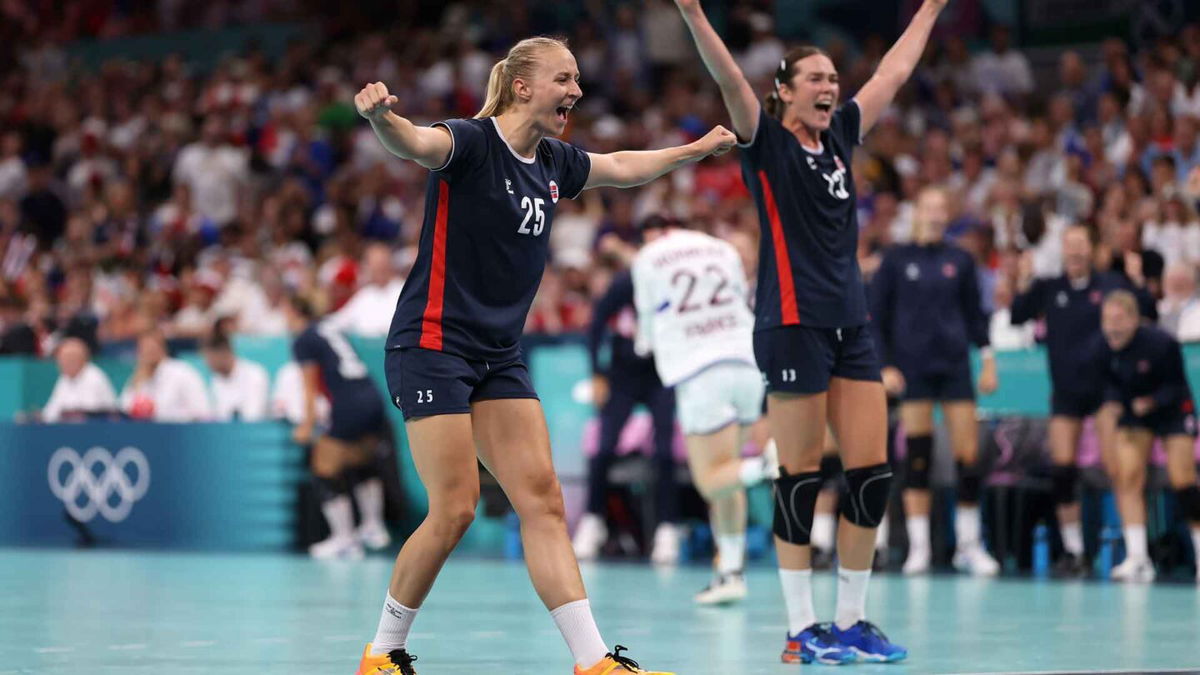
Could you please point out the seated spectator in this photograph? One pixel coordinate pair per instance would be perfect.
(239, 387)
(82, 388)
(287, 397)
(1003, 334)
(16, 335)
(369, 311)
(161, 388)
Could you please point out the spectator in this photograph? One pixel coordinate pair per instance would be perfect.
(368, 313)
(214, 171)
(161, 388)
(1001, 69)
(239, 389)
(82, 388)
(287, 397)
(13, 176)
(17, 336)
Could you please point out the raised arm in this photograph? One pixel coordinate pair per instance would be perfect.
(897, 65)
(630, 168)
(740, 101)
(428, 146)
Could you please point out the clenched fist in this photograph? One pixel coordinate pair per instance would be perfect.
(374, 100)
(718, 141)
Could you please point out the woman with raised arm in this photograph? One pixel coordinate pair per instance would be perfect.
(453, 360)
(811, 337)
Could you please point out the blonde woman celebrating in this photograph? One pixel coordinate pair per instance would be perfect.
(453, 360)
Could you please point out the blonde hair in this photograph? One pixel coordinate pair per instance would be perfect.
(520, 63)
(1123, 299)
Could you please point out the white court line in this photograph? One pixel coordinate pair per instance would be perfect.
(340, 638)
(53, 650)
(486, 634)
(127, 648)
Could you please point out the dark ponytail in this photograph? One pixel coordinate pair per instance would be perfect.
(773, 104)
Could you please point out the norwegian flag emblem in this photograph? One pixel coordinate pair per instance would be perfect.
(1095, 297)
(1143, 366)
(838, 161)
(949, 270)
(554, 192)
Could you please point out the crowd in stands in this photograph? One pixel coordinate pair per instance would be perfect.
(140, 196)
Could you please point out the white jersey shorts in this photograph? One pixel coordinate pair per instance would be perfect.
(718, 396)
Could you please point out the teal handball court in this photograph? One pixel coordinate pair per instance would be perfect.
(141, 613)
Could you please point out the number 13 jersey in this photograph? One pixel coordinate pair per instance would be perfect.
(690, 292)
(484, 242)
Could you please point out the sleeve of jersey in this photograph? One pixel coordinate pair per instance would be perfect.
(1028, 305)
(468, 144)
(643, 301)
(302, 349)
(972, 305)
(752, 150)
(880, 297)
(1174, 387)
(846, 125)
(574, 166)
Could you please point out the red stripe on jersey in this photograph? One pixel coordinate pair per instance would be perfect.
(783, 263)
(431, 324)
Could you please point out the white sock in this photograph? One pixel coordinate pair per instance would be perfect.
(1196, 548)
(753, 471)
(394, 625)
(369, 496)
(1072, 537)
(881, 535)
(339, 514)
(851, 597)
(578, 628)
(822, 531)
(797, 597)
(966, 525)
(731, 551)
(1135, 542)
(918, 533)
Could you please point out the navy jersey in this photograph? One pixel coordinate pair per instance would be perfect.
(808, 266)
(1150, 365)
(926, 308)
(614, 313)
(344, 377)
(484, 242)
(1072, 316)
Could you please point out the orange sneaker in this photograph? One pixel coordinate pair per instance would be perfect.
(395, 662)
(614, 663)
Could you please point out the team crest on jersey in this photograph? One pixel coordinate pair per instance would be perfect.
(1061, 299)
(812, 163)
(949, 270)
(554, 192)
(1143, 366)
(1095, 297)
(912, 272)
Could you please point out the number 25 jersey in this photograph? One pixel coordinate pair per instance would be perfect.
(690, 292)
(484, 242)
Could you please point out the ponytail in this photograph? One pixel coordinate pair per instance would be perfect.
(521, 62)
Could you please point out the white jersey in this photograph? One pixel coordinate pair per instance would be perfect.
(691, 296)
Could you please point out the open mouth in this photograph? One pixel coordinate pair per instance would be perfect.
(562, 111)
(824, 106)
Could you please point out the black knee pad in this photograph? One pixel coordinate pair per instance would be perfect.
(795, 502)
(1063, 479)
(917, 462)
(1189, 502)
(868, 494)
(970, 483)
(831, 467)
(357, 475)
(330, 488)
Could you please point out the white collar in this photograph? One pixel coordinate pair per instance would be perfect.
(527, 160)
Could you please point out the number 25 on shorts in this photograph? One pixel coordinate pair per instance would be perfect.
(424, 396)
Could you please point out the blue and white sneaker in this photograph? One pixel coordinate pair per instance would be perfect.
(868, 643)
(816, 644)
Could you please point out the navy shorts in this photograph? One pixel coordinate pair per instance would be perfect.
(1174, 421)
(360, 416)
(954, 385)
(802, 359)
(423, 382)
(1075, 404)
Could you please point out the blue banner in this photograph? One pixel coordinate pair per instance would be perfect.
(201, 486)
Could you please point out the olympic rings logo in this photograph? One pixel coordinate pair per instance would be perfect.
(99, 477)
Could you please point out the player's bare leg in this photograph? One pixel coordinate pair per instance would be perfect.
(1181, 473)
(970, 553)
(917, 417)
(1133, 451)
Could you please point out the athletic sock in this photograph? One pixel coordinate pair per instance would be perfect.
(966, 525)
(822, 531)
(339, 514)
(1135, 542)
(578, 628)
(851, 597)
(731, 553)
(1072, 537)
(752, 471)
(797, 597)
(369, 496)
(394, 624)
(918, 533)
